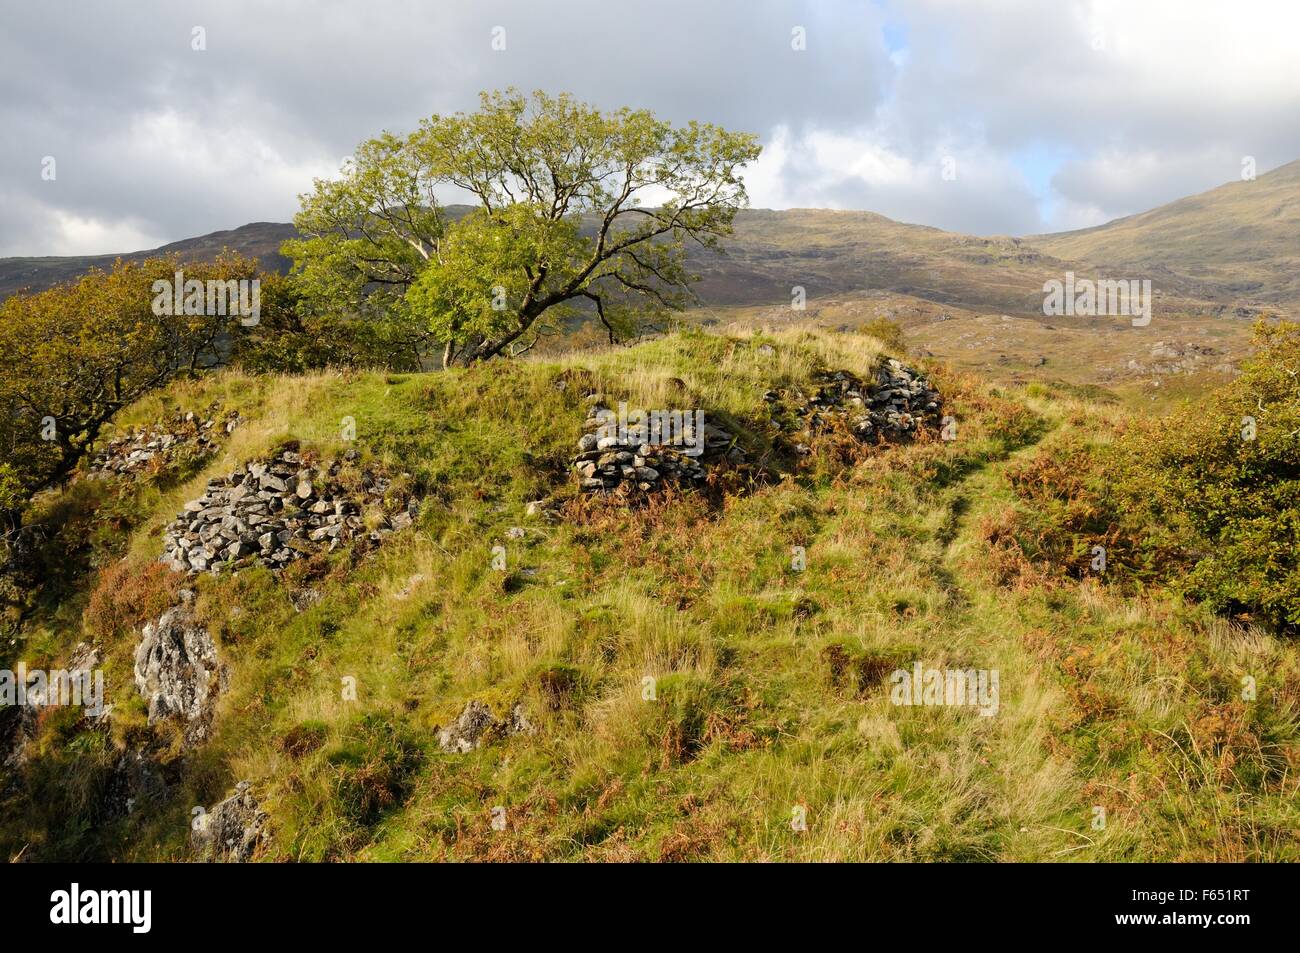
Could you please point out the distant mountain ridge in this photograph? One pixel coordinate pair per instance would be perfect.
(1238, 240)
(260, 240)
(1234, 246)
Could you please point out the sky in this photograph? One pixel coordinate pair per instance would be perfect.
(129, 125)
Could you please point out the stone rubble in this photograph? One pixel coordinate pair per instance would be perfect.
(177, 671)
(134, 451)
(273, 513)
(607, 462)
(893, 409)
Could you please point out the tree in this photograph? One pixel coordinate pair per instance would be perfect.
(72, 356)
(559, 222)
(293, 337)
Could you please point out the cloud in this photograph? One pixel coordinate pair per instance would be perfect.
(157, 140)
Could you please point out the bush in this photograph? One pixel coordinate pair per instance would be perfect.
(127, 595)
(887, 332)
(1227, 470)
(1206, 500)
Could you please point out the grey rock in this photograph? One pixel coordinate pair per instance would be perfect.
(231, 831)
(177, 671)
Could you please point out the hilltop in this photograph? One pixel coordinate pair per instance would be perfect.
(524, 672)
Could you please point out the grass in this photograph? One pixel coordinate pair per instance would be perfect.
(687, 683)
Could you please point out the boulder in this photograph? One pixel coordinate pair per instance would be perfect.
(177, 671)
(476, 726)
(231, 831)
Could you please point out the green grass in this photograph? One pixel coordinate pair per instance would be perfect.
(1107, 700)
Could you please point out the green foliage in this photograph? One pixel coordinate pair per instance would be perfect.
(887, 332)
(73, 356)
(559, 223)
(294, 337)
(1207, 499)
(1228, 469)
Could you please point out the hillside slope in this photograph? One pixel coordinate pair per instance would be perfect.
(822, 251)
(1239, 241)
(686, 686)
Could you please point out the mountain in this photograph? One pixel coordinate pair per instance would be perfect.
(259, 240)
(1239, 241)
(1237, 246)
(822, 251)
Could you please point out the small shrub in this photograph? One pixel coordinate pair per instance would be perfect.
(887, 332)
(128, 594)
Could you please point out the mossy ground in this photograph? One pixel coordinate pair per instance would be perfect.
(1130, 703)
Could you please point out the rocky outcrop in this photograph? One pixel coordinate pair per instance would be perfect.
(608, 461)
(136, 450)
(177, 671)
(893, 408)
(273, 513)
(477, 726)
(1181, 357)
(231, 831)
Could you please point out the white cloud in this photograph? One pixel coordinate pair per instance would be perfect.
(157, 141)
(75, 235)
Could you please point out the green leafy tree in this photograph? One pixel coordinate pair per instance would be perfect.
(575, 210)
(294, 337)
(73, 356)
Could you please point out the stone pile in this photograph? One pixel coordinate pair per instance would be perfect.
(134, 451)
(273, 513)
(898, 403)
(608, 461)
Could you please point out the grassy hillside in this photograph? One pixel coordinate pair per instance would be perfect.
(769, 690)
(1238, 241)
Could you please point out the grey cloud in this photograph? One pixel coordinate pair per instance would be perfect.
(156, 139)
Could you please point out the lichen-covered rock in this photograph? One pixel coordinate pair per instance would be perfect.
(177, 671)
(477, 725)
(231, 831)
(136, 783)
